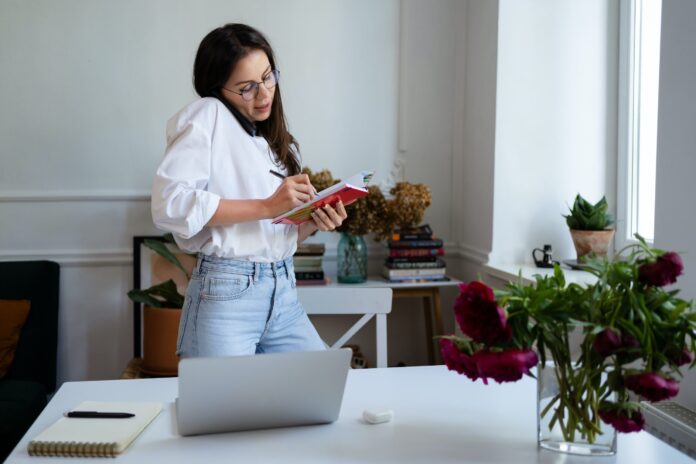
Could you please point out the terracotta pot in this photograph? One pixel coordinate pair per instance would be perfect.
(160, 332)
(591, 241)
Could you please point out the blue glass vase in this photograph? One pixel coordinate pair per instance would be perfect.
(352, 259)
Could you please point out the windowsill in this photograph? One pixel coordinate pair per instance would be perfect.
(510, 272)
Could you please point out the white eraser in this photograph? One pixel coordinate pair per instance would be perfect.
(378, 415)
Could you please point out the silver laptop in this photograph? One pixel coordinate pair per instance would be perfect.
(261, 391)
(675, 421)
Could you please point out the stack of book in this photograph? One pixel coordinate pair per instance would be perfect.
(414, 255)
(307, 261)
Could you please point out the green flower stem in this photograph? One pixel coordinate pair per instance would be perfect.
(541, 314)
(575, 413)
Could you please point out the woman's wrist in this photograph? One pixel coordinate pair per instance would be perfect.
(306, 229)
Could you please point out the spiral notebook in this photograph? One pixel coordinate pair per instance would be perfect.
(71, 437)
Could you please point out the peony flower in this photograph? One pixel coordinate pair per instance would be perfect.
(623, 421)
(479, 316)
(663, 271)
(685, 357)
(504, 366)
(629, 350)
(476, 290)
(652, 386)
(457, 361)
(607, 342)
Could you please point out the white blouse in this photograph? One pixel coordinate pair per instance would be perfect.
(210, 157)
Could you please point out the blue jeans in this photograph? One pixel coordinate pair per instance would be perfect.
(235, 308)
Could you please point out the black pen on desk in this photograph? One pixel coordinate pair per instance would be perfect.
(98, 415)
(279, 175)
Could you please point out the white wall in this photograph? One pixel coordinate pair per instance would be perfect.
(675, 216)
(474, 134)
(426, 104)
(98, 79)
(555, 132)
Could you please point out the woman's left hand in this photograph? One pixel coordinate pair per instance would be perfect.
(329, 217)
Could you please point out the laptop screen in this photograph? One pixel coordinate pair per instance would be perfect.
(260, 391)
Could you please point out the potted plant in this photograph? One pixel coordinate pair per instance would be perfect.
(162, 305)
(590, 227)
(636, 336)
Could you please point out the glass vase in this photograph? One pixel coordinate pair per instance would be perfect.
(555, 424)
(352, 259)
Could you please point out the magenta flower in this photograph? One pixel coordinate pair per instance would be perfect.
(652, 386)
(457, 361)
(607, 342)
(476, 290)
(504, 366)
(629, 350)
(623, 421)
(685, 357)
(479, 316)
(664, 271)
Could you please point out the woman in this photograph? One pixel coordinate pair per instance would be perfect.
(214, 192)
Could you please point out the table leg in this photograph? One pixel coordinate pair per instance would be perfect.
(427, 313)
(381, 324)
(437, 313)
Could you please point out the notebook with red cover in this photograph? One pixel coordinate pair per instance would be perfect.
(347, 191)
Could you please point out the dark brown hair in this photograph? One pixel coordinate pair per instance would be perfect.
(217, 56)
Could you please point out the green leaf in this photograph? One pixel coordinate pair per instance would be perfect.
(159, 296)
(142, 296)
(558, 275)
(161, 249)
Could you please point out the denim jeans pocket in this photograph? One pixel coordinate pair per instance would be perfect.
(188, 313)
(220, 286)
(183, 324)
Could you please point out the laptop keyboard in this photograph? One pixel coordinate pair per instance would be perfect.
(672, 423)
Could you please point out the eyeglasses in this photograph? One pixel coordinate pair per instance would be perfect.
(251, 90)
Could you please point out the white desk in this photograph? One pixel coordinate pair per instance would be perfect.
(429, 292)
(464, 422)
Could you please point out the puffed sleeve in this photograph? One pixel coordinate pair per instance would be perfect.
(181, 203)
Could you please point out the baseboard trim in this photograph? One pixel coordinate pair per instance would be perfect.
(469, 253)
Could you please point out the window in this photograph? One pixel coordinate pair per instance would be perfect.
(638, 98)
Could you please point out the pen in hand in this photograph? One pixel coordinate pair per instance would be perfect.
(98, 415)
(281, 176)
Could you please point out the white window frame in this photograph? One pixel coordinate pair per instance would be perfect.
(628, 116)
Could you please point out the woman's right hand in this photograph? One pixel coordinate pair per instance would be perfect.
(294, 191)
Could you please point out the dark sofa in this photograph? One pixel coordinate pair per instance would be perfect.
(32, 375)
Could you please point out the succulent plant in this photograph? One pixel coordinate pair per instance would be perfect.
(586, 216)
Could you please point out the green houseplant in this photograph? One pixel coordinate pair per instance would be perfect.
(165, 294)
(162, 305)
(636, 335)
(590, 227)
